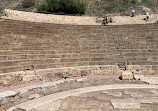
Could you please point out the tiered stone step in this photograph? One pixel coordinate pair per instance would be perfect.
(25, 44)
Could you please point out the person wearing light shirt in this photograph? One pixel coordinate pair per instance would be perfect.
(133, 13)
(147, 16)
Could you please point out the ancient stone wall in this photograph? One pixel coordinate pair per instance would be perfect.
(50, 18)
(19, 77)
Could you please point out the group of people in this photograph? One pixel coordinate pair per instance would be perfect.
(147, 15)
(106, 21)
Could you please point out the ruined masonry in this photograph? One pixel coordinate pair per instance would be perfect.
(35, 51)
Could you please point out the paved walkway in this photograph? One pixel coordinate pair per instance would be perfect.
(45, 101)
(117, 20)
(118, 95)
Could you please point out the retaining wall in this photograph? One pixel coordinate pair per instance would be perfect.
(54, 73)
(19, 77)
(50, 18)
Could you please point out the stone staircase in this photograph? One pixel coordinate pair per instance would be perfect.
(28, 46)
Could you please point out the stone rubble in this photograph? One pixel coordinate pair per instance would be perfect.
(34, 96)
(47, 85)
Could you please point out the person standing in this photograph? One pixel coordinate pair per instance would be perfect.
(133, 13)
(105, 21)
(147, 16)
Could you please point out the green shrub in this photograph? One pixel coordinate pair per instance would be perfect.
(119, 6)
(42, 8)
(134, 2)
(147, 2)
(28, 3)
(62, 6)
(111, 7)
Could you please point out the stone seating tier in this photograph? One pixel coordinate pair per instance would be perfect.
(32, 46)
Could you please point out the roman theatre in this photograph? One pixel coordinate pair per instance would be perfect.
(73, 63)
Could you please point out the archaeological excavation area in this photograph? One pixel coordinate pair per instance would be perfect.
(67, 67)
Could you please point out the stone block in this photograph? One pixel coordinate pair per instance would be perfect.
(6, 94)
(114, 93)
(127, 75)
(28, 78)
(81, 80)
(125, 104)
(34, 96)
(42, 86)
(59, 81)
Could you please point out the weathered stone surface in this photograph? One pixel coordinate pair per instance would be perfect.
(48, 74)
(114, 93)
(154, 99)
(151, 80)
(81, 80)
(148, 79)
(155, 92)
(138, 77)
(28, 78)
(59, 81)
(127, 75)
(133, 94)
(19, 109)
(50, 106)
(34, 96)
(82, 96)
(6, 94)
(29, 88)
(42, 86)
(125, 104)
(140, 69)
(118, 103)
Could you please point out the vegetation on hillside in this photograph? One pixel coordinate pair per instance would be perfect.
(8, 4)
(92, 7)
(28, 3)
(62, 6)
(124, 7)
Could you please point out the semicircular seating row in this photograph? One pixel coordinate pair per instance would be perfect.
(33, 46)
